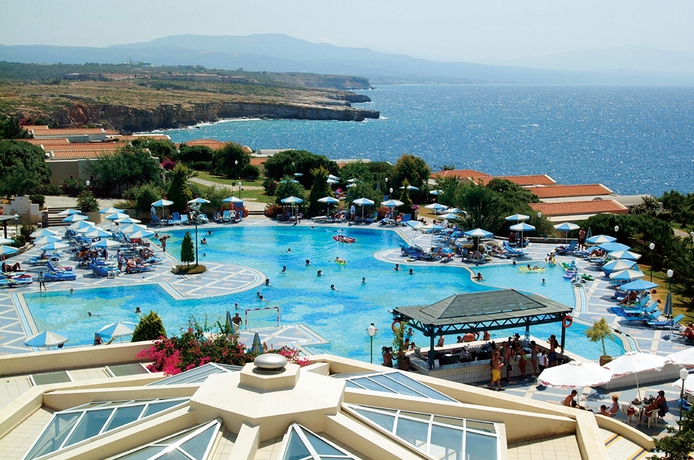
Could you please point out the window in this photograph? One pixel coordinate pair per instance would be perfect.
(303, 444)
(393, 382)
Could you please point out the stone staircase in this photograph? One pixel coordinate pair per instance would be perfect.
(54, 220)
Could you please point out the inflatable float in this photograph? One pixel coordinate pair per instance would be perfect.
(535, 269)
(344, 239)
(339, 261)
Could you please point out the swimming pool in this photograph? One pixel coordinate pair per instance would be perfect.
(341, 316)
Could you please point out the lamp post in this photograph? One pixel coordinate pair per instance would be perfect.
(684, 373)
(236, 174)
(239, 184)
(616, 230)
(371, 330)
(652, 248)
(195, 221)
(670, 274)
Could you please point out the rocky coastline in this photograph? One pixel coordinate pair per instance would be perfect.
(168, 116)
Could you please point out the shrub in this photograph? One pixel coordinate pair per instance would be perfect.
(270, 186)
(86, 202)
(195, 348)
(250, 172)
(187, 249)
(273, 210)
(150, 327)
(73, 187)
(49, 189)
(38, 199)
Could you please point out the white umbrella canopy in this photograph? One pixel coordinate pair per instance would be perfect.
(614, 246)
(566, 227)
(133, 228)
(74, 218)
(478, 233)
(111, 210)
(44, 232)
(117, 216)
(199, 201)
(328, 200)
(128, 220)
(81, 225)
(638, 285)
(518, 217)
(292, 200)
(575, 374)
(54, 246)
(617, 265)
(69, 212)
(688, 385)
(363, 202)
(108, 244)
(449, 216)
(600, 239)
(634, 362)
(627, 255)
(10, 241)
(392, 203)
(116, 330)
(627, 275)
(331, 177)
(684, 357)
(46, 239)
(233, 200)
(97, 233)
(162, 203)
(7, 250)
(409, 187)
(436, 206)
(45, 339)
(522, 227)
(141, 234)
(332, 181)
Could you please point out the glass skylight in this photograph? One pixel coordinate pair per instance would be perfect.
(83, 422)
(437, 436)
(193, 444)
(197, 375)
(393, 382)
(303, 444)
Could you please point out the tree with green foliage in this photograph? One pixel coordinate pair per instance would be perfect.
(179, 192)
(374, 171)
(23, 168)
(680, 441)
(599, 331)
(144, 195)
(364, 190)
(230, 160)
(680, 259)
(289, 162)
(159, 148)
(197, 157)
(187, 249)
(150, 327)
(288, 187)
(412, 169)
(320, 189)
(483, 205)
(127, 167)
(10, 129)
(86, 202)
(270, 186)
(678, 208)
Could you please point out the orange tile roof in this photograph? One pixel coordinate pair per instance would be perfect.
(110, 146)
(532, 179)
(563, 191)
(470, 174)
(211, 143)
(46, 142)
(567, 208)
(158, 137)
(255, 161)
(36, 127)
(77, 154)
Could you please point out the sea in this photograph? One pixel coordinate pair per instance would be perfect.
(634, 140)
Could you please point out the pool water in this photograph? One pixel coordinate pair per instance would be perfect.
(340, 316)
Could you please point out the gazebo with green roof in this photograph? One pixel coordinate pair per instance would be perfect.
(482, 311)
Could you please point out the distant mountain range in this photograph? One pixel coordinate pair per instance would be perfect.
(281, 53)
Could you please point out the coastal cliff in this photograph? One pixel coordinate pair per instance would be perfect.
(135, 119)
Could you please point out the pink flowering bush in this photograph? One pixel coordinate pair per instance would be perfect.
(194, 348)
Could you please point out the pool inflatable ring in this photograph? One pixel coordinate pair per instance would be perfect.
(339, 261)
(531, 270)
(587, 277)
(567, 321)
(395, 325)
(344, 239)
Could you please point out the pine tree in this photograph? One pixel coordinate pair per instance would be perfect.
(150, 327)
(187, 249)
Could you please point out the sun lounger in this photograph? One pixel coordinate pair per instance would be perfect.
(54, 266)
(652, 317)
(565, 250)
(155, 221)
(175, 219)
(511, 251)
(667, 324)
(184, 219)
(60, 276)
(103, 271)
(226, 216)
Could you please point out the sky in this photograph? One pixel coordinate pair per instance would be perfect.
(514, 32)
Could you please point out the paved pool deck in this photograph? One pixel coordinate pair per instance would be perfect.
(593, 302)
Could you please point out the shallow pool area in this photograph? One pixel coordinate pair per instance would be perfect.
(340, 315)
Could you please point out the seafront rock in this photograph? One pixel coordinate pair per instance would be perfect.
(134, 119)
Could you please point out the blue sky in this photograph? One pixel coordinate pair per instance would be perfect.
(513, 32)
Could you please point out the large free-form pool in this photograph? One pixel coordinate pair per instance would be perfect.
(341, 316)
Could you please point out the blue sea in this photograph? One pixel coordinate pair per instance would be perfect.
(634, 140)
